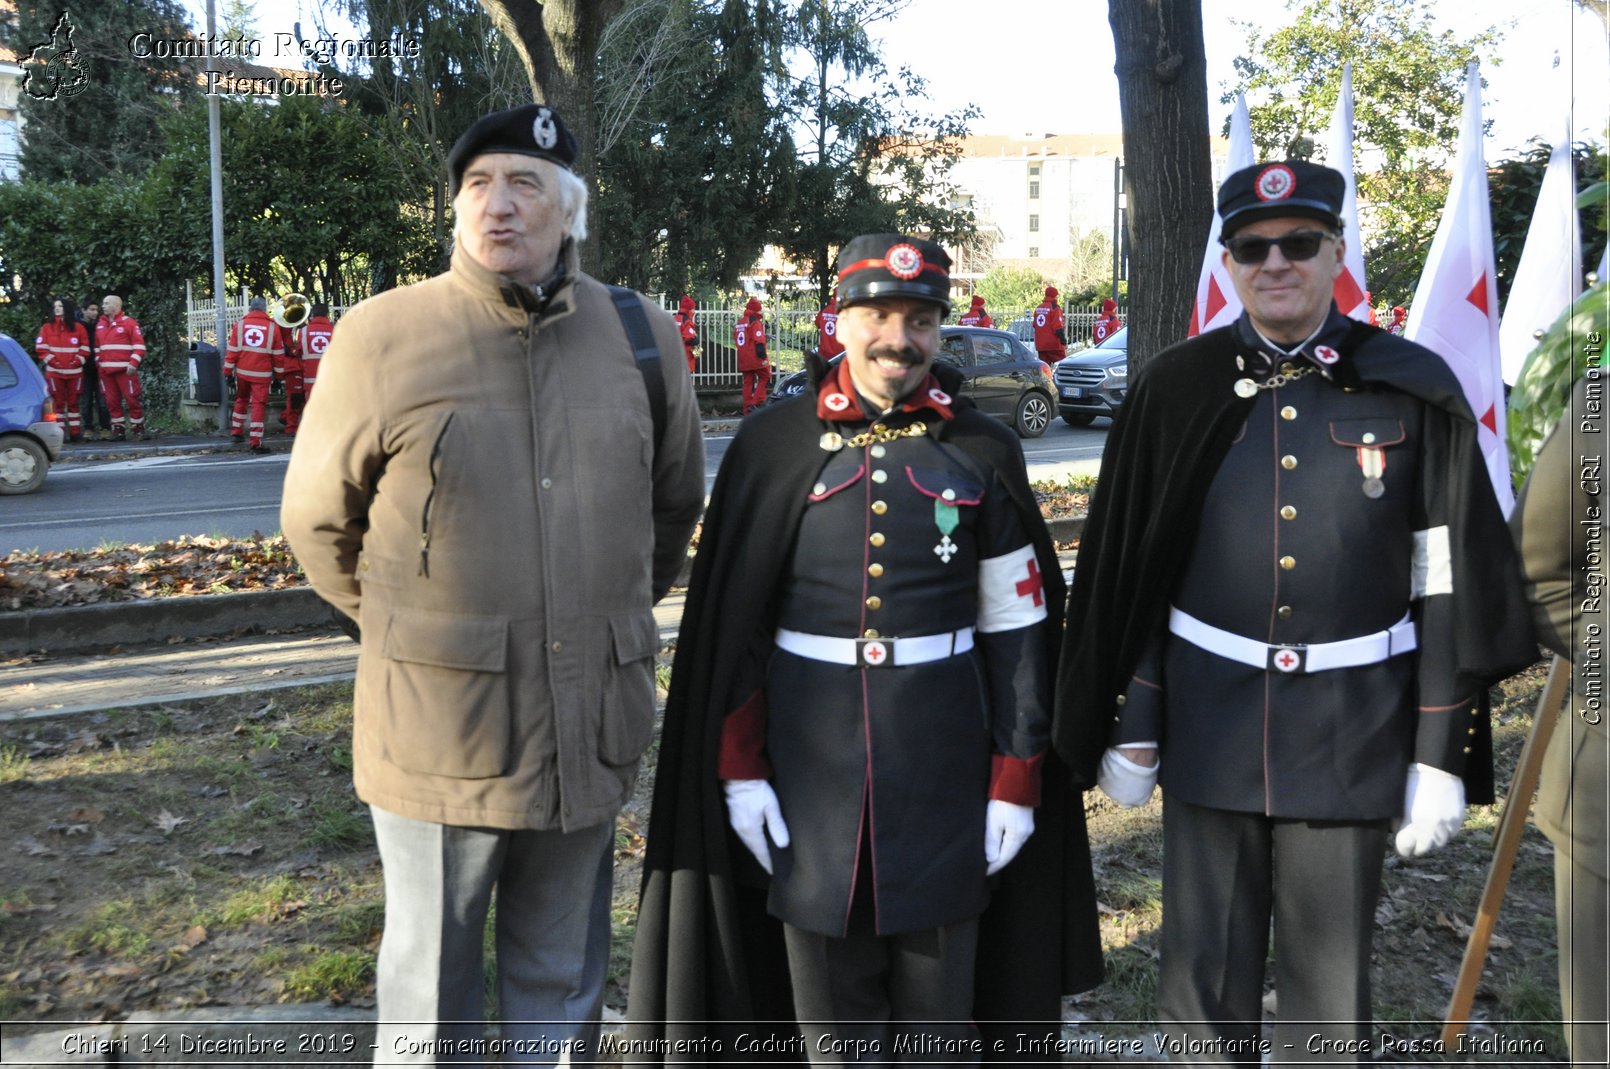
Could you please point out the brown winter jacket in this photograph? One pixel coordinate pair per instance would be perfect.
(479, 488)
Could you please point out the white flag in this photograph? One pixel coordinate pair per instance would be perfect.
(1351, 295)
(1549, 275)
(1216, 304)
(1455, 309)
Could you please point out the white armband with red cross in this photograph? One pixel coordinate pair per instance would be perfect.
(1010, 592)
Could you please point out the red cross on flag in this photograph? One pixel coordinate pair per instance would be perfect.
(1216, 304)
(1455, 309)
(1351, 296)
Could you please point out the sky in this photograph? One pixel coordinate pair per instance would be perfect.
(1046, 66)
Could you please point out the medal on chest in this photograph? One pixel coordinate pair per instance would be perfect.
(1372, 462)
(945, 518)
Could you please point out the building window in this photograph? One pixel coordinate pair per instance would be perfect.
(1034, 191)
(1034, 170)
(1034, 252)
(9, 148)
(1034, 224)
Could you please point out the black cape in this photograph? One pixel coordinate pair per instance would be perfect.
(1169, 439)
(709, 964)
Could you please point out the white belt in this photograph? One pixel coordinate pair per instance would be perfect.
(876, 652)
(1295, 659)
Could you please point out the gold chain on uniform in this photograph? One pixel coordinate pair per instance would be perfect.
(1274, 382)
(880, 433)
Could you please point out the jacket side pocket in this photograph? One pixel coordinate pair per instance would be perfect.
(627, 722)
(445, 690)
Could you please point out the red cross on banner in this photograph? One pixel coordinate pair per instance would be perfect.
(1032, 585)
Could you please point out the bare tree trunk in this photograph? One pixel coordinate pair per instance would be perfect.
(1168, 173)
(558, 43)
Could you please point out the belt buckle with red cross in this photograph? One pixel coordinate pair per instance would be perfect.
(873, 653)
(1288, 659)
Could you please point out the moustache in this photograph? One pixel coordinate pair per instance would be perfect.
(905, 354)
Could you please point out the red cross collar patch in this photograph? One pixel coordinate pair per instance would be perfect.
(835, 400)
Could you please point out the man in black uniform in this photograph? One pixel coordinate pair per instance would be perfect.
(1294, 586)
(861, 691)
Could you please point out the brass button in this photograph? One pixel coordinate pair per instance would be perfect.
(879, 508)
(1472, 731)
(1288, 513)
(1368, 438)
(819, 489)
(1467, 749)
(871, 632)
(557, 647)
(880, 476)
(1284, 612)
(874, 602)
(1122, 699)
(877, 428)
(1288, 563)
(875, 571)
(1288, 413)
(1286, 368)
(879, 450)
(1288, 462)
(877, 538)
(948, 495)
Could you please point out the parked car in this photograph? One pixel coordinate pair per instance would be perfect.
(1003, 376)
(1092, 382)
(30, 437)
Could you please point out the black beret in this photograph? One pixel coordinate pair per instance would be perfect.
(1292, 187)
(530, 130)
(893, 265)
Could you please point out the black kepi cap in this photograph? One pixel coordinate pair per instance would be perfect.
(1271, 190)
(893, 265)
(529, 130)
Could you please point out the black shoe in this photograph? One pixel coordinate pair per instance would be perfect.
(139, 432)
(237, 438)
(117, 434)
(261, 448)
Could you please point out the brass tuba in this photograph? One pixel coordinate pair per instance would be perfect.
(291, 311)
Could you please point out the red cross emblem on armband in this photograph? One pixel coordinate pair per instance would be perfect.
(1286, 659)
(1032, 585)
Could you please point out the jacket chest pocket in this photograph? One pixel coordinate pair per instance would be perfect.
(1377, 446)
(446, 709)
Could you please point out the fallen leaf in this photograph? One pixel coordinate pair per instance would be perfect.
(236, 850)
(1434, 877)
(167, 822)
(86, 814)
(193, 937)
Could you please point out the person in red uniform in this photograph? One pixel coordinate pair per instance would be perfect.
(1050, 334)
(827, 329)
(689, 330)
(976, 316)
(314, 340)
(290, 373)
(1400, 319)
(256, 354)
(62, 346)
(119, 349)
(750, 336)
(1106, 324)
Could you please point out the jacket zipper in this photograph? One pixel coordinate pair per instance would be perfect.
(430, 498)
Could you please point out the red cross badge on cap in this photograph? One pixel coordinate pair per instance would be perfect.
(1276, 182)
(873, 654)
(1326, 355)
(1286, 659)
(904, 261)
(544, 131)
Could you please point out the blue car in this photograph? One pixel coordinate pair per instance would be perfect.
(30, 437)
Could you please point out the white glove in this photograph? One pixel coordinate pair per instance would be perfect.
(1433, 810)
(752, 809)
(1006, 828)
(1124, 781)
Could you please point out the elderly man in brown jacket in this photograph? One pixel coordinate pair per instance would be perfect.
(480, 483)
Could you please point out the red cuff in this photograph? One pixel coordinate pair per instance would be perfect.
(1015, 779)
(743, 741)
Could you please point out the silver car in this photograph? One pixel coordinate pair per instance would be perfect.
(1092, 382)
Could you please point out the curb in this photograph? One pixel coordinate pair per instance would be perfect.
(78, 628)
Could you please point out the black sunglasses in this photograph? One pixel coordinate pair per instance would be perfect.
(1297, 245)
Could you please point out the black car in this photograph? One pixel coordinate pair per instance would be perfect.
(1092, 382)
(1003, 376)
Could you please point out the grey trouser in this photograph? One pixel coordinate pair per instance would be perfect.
(1224, 875)
(553, 894)
(1580, 904)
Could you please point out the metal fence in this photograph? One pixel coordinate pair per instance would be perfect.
(790, 331)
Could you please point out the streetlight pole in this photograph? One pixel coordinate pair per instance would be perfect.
(1117, 219)
(216, 164)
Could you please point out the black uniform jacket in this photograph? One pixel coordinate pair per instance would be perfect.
(709, 961)
(1171, 436)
